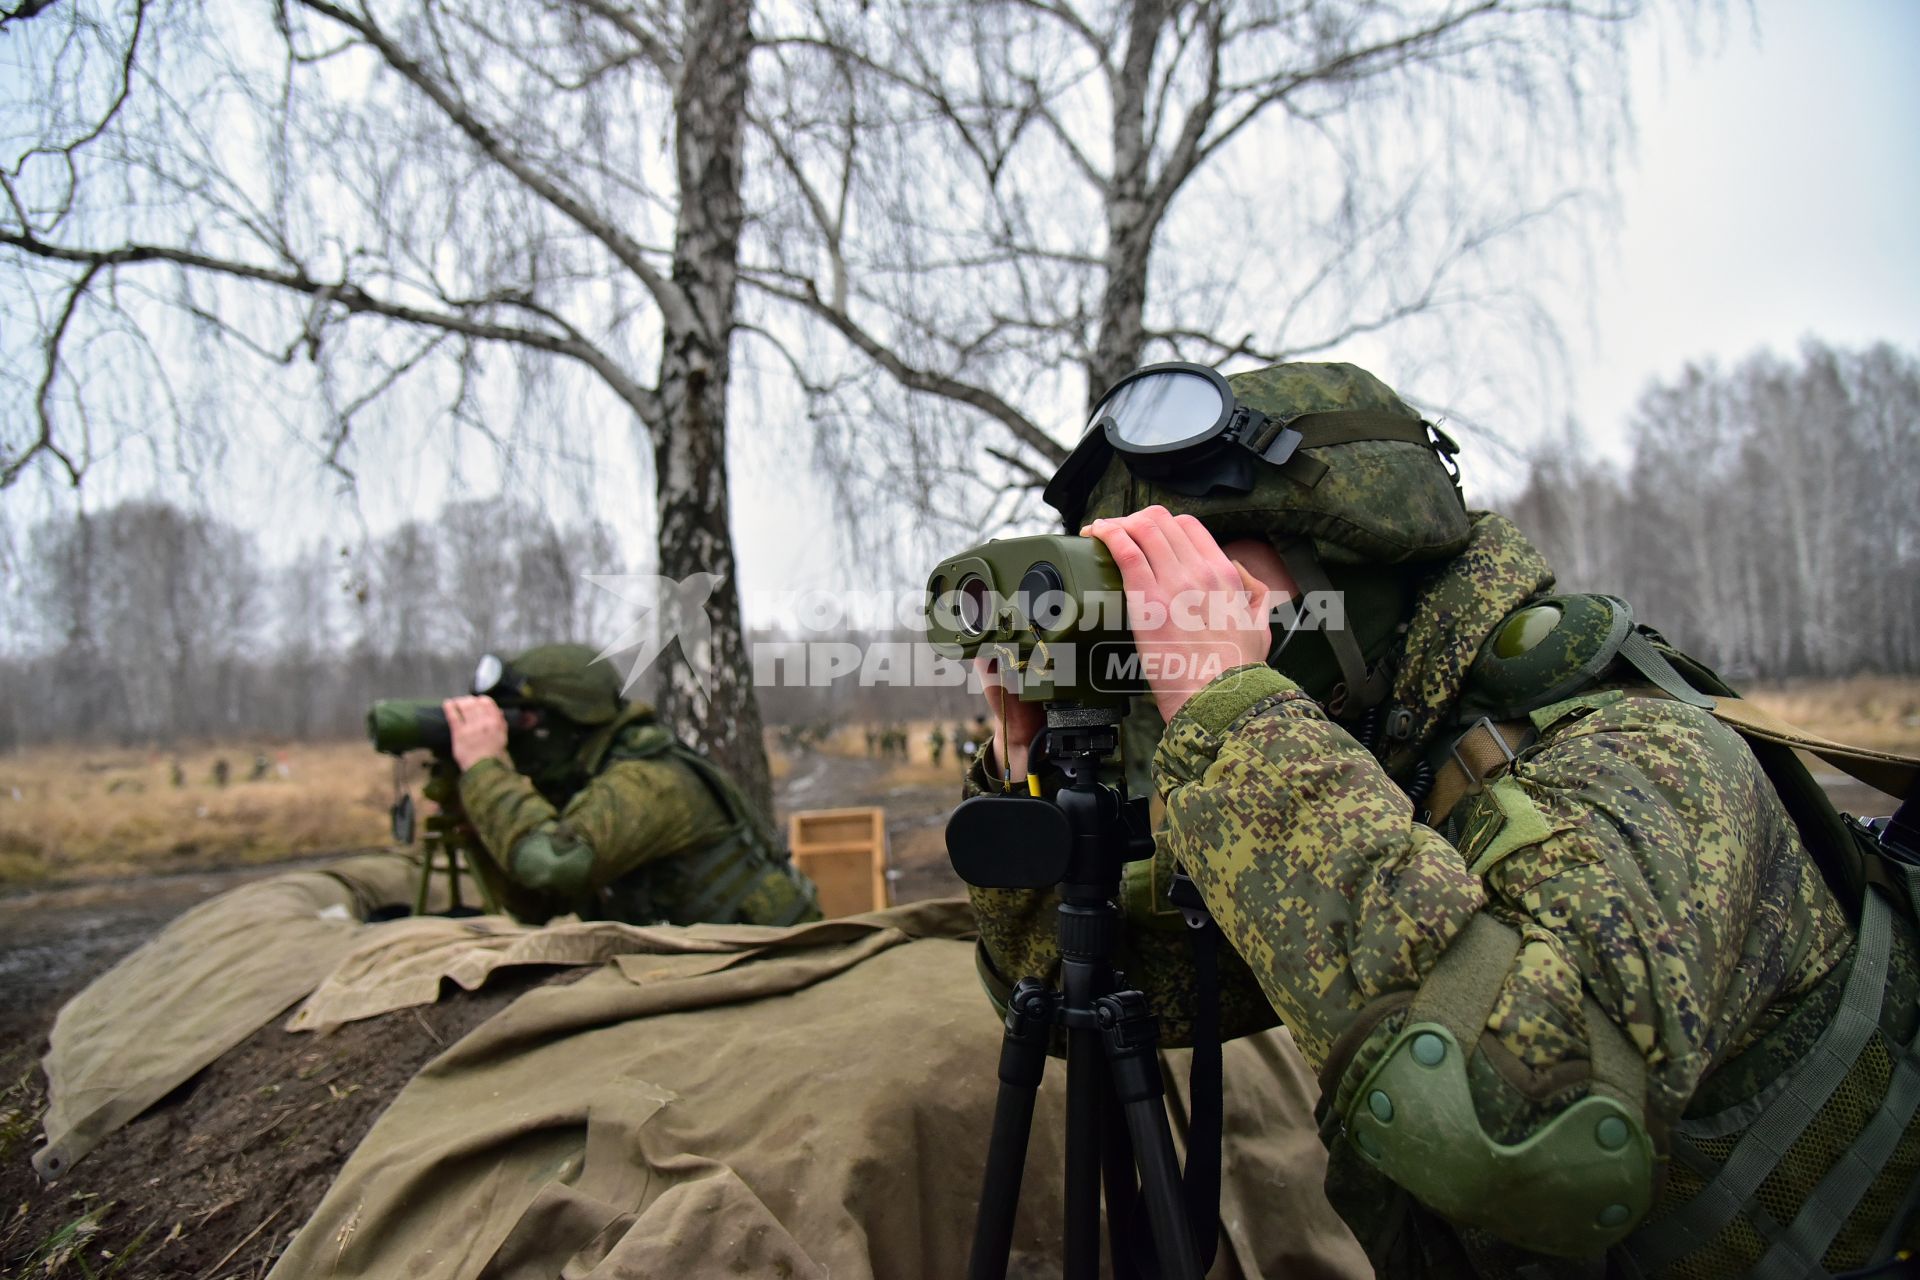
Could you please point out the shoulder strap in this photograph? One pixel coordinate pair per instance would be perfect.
(1887, 771)
(1482, 751)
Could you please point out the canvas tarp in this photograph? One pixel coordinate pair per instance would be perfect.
(403, 963)
(198, 988)
(817, 1105)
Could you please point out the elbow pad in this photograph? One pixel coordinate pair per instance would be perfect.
(564, 870)
(1574, 1187)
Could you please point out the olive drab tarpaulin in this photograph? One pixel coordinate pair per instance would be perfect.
(198, 988)
(819, 1108)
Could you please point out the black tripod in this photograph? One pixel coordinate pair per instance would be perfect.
(1079, 841)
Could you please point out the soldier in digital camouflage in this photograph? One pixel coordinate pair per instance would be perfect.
(1581, 1000)
(585, 803)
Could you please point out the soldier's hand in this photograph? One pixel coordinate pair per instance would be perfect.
(1195, 610)
(479, 730)
(1015, 724)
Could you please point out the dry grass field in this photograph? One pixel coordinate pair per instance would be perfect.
(76, 813)
(73, 814)
(1866, 711)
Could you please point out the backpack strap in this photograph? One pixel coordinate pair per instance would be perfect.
(1888, 771)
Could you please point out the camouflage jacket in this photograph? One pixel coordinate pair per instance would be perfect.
(644, 840)
(1643, 856)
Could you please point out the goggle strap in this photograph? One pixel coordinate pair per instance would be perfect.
(1363, 688)
(1344, 426)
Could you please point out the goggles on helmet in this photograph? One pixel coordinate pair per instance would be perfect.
(493, 678)
(1178, 425)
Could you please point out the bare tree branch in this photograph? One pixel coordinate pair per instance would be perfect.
(672, 302)
(352, 298)
(1023, 428)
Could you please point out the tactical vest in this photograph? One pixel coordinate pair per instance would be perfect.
(1819, 1172)
(746, 876)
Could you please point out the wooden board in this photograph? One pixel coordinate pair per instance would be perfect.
(844, 851)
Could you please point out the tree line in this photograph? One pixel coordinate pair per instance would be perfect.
(1760, 523)
(148, 623)
(145, 622)
(951, 225)
(1766, 521)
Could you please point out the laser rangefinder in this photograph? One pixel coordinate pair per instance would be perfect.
(1049, 610)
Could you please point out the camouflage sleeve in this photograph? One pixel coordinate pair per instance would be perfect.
(1306, 852)
(1637, 847)
(632, 812)
(1017, 940)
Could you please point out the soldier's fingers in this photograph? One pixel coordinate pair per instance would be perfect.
(1213, 565)
(1175, 533)
(451, 710)
(1135, 574)
(1163, 558)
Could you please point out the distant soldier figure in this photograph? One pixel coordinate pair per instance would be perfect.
(220, 772)
(936, 743)
(583, 802)
(177, 774)
(962, 746)
(873, 741)
(261, 766)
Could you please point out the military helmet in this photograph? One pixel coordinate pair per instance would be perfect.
(1359, 485)
(1324, 462)
(565, 678)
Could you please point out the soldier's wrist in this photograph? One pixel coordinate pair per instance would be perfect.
(1193, 737)
(1229, 696)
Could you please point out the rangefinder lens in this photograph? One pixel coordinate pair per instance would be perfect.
(1043, 597)
(1166, 408)
(487, 674)
(973, 605)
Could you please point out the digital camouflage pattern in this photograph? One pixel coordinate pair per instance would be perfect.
(1637, 847)
(1454, 612)
(644, 839)
(1378, 502)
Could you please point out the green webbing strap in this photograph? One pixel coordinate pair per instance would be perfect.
(1828, 1206)
(1337, 426)
(1889, 1240)
(720, 875)
(1363, 689)
(1761, 1149)
(1345, 426)
(1615, 1064)
(1651, 663)
(1460, 992)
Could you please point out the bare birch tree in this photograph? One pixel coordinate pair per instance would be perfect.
(389, 203)
(1004, 207)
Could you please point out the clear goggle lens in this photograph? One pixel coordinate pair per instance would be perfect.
(488, 674)
(1162, 408)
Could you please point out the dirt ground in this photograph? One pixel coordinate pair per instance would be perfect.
(212, 1182)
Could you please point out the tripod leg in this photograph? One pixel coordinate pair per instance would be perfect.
(1121, 1181)
(1131, 1035)
(1023, 1061)
(1080, 981)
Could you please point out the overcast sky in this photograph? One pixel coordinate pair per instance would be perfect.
(1775, 194)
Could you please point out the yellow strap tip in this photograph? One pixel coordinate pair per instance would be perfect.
(1033, 784)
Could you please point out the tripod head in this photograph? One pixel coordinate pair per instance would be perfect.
(1080, 839)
